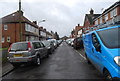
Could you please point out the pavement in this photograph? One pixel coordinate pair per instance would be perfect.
(5, 67)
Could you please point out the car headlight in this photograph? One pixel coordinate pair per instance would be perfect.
(117, 60)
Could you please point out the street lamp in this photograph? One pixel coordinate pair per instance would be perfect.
(41, 21)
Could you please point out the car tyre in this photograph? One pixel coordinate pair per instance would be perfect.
(107, 75)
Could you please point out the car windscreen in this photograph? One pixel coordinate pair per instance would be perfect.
(19, 47)
(110, 37)
(46, 43)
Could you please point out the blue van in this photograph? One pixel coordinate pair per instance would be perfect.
(102, 49)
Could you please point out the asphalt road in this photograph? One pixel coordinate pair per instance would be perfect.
(64, 63)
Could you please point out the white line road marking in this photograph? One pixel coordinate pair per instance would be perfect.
(81, 55)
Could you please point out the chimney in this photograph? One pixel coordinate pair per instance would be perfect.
(78, 24)
(41, 27)
(45, 29)
(91, 11)
(21, 12)
(35, 22)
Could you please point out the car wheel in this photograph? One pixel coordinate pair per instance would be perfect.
(107, 75)
(88, 61)
(38, 61)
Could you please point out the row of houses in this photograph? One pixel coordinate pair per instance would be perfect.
(16, 27)
(110, 16)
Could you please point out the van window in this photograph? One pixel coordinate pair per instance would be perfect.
(95, 40)
(110, 37)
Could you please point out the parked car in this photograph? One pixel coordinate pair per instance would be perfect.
(49, 45)
(102, 50)
(70, 41)
(26, 52)
(78, 43)
(54, 41)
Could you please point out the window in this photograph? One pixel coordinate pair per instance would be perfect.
(3, 39)
(96, 22)
(106, 17)
(36, 45)
(8, 39)
(110, 37)
(100, 20)
(27, 38)
(5, 27)
(113, 13)
(26, 27)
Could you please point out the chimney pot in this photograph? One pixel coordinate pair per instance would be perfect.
(91, 11)
(35, 22)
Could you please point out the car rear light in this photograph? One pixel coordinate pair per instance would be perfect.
(9, 48)
(29, 46)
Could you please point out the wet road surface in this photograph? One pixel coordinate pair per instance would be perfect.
(64, 63)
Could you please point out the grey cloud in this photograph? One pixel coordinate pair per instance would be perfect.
(59, 17)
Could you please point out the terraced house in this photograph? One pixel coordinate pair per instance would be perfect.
(14, 31)
(110, 16)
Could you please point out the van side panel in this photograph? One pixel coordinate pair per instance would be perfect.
(87, 45)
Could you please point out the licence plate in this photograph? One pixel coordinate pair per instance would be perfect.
(18, 55)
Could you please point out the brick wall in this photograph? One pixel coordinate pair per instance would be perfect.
(13, 32)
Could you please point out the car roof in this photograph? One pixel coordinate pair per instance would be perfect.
(110, 27)
(27, 41)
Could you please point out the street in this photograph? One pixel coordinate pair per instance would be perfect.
(64, 63)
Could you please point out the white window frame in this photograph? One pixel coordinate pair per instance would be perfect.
(96, 22)
(5, 27)
(113, 13)
(106, 17)
(27, 38)
(100, 20)
(3, 39)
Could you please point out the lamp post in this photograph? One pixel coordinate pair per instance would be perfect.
(20, 20)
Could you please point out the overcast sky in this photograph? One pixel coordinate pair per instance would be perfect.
(61, 15)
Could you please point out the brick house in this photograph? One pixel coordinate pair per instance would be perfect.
(13, 32)
(49, 35)
(77, 32)
(88, 21)
(42, 33)
(109, 17)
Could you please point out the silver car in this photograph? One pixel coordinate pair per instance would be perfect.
(26, 52)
